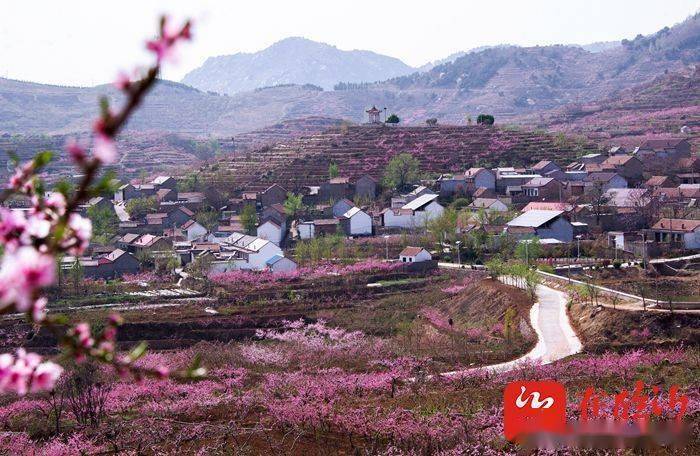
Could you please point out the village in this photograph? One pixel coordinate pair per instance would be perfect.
(619, 205)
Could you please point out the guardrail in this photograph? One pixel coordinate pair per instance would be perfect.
(651, 303)
(654, 303)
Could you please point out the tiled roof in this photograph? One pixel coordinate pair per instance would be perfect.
(661, 143)
(411, 251)
(681, 225)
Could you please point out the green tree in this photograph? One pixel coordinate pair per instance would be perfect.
(509, 322)
(485, 119)
(189, 183)
(393, 119)
(496, 268)
(528, 249)
(76, 273)
(293, 205)
(208, 218)
(460, 203)
(139, 207)
(444, 228)
(532, 280)
(402, 170)
(249, 219)
(333, 170)
(104, 223)
(166, 262)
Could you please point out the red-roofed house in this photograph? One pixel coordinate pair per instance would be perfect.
(414, 255)
(543, 189)
(548, 206)
(662, 148)
(682, 231)
(655, 182)
(626, 166)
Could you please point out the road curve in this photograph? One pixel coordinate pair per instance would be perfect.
(556, 338)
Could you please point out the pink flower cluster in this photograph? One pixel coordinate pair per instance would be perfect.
(437, 319)
(314, 336)
(26, 373)
(27, 266)
(251, 279)
(164, 45)
(644, 334)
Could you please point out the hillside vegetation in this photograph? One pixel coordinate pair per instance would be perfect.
(660, 107)
(359, 150)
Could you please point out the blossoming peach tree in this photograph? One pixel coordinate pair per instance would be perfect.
(32, 242)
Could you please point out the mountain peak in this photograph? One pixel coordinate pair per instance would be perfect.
(293, 60)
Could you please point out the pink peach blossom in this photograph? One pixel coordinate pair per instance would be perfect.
(104, 149)
(22, 273)
(76, 151)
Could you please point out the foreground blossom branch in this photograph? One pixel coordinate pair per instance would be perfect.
(51, 227)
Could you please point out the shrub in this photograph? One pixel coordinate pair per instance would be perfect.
(485, 119)
(546, 268)
(393, 119)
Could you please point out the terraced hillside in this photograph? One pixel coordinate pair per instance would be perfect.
(283, 131)
(139, 153)
(153, 152)
(362, 150)
(660, 107)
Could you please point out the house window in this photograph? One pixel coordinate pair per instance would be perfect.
(403, 259)
(410, 260)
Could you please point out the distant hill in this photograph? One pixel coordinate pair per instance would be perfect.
(293, 61)
(663, 107)
(454, 56)
(601, 46)
(171, 107)
(508, 82)
(511, 81)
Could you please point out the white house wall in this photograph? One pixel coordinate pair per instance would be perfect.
(196, 231)
(271, 232)
(360, 224)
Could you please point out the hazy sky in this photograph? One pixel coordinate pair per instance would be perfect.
(85, 42)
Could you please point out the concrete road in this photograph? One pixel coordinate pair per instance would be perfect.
(556, 338)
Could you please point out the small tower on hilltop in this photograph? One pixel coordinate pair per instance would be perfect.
(373, 115)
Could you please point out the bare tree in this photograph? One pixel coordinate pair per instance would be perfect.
(614, 300)
(87, 395)
(642, 292)
(593, 292)
(53, 406)
(598, 200)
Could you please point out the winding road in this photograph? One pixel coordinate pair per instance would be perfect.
(556, 338)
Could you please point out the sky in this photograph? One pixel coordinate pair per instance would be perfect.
(86, 42)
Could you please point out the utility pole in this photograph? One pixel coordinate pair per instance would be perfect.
(459, 253)
(578, 248)
(527, 256)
